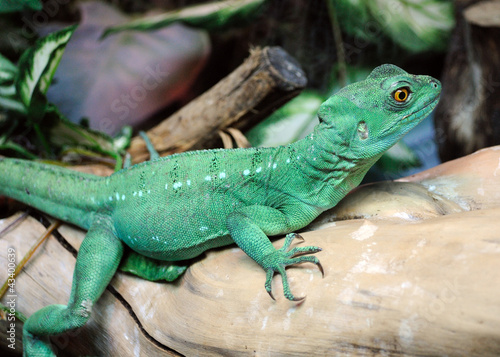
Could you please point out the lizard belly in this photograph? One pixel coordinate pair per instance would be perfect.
(171, 233)
(172, 248)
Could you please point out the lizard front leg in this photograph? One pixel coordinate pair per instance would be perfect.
(250, 226)
(97, 261)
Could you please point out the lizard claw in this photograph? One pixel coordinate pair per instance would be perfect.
(289, 238)
(269, 279)
(278, 260)
(320, 267)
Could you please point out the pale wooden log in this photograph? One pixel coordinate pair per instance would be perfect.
(267, 79)
(388, 290)
(392, 286)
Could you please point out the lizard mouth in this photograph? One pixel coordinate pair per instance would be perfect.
(415, 116)
(411, 117)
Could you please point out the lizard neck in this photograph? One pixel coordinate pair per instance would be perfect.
(327, 166)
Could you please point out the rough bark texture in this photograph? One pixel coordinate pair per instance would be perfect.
(265, 81)
(468, 115)
(415, 274)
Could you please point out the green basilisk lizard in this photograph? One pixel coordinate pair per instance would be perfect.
(176, 207)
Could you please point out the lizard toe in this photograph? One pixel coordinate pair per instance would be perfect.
(277, 261)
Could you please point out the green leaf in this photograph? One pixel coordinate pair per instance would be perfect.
(64, 133)
(19, 5)
(9, 145)
(7, 70)
(12, 104)
(37, 66)
(23, 89)
(289, 123)
(7, 90)
(213, 16)
(415, 25)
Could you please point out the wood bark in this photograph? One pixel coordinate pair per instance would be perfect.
(265, 81)
(468, 116)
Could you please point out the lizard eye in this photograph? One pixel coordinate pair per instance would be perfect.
(401, 95)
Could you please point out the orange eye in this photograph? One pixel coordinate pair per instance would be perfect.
(401, 95)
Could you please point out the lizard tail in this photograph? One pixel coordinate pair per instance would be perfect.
(65, 194)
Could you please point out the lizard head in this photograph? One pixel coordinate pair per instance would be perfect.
(368, 117)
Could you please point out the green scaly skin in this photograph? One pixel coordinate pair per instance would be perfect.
(177, 207)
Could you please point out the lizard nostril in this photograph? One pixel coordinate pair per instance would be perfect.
(434, 85)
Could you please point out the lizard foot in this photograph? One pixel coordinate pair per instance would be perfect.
(281, 258)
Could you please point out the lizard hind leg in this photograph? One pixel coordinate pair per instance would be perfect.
(97, 261)
(151, 269)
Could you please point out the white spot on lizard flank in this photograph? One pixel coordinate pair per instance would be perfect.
(259, 169)
(177, 185)
(166, 187)
(140, 193)
(117, 196)
(275, 165)
(208, 178)
(188, 182)
(123, 197)
(246, 172)
(365, 231)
